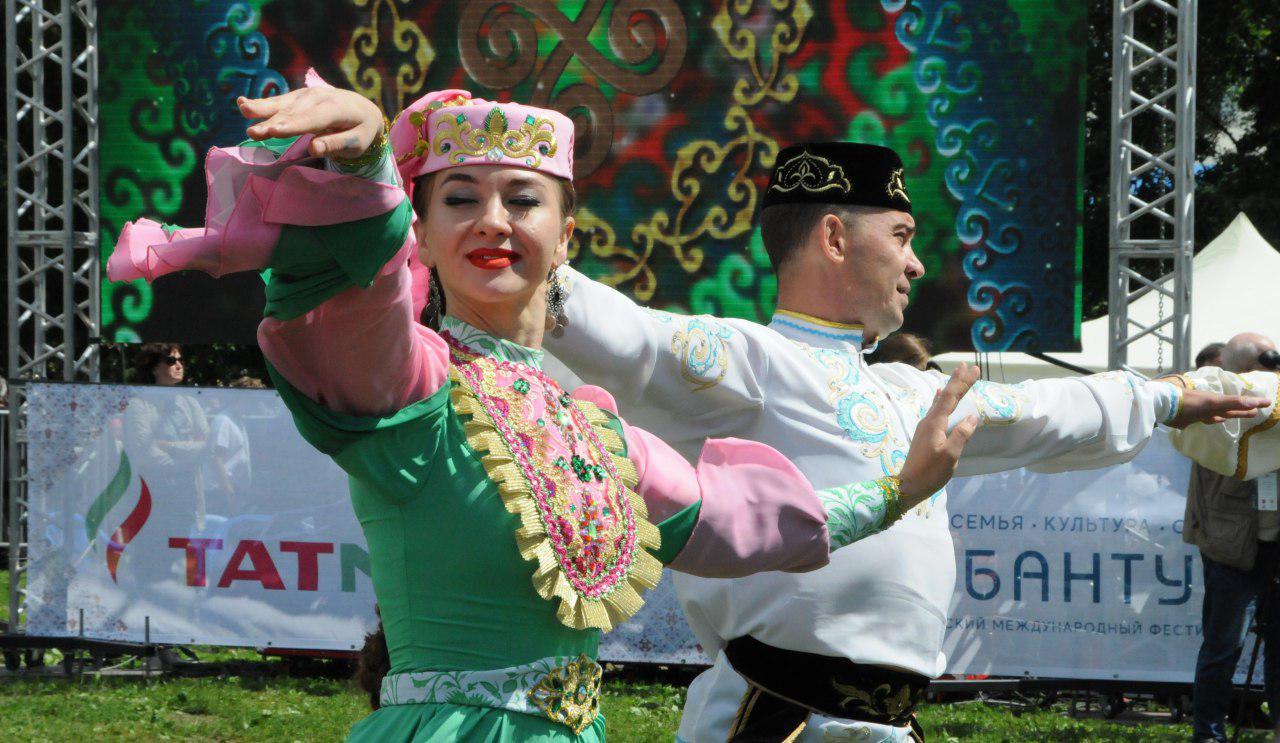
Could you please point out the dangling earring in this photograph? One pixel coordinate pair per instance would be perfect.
(435, 300)
(556, 296)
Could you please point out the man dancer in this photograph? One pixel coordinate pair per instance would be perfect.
(848, 649)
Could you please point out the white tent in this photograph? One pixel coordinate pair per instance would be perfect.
(1235, 287)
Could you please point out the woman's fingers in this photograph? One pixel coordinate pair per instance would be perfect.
(289, 114)
(350, 143)
(261, 108)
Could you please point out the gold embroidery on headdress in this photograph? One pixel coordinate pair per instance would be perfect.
(897, 186)
(533, 140)
(812, 173)
(419, 119)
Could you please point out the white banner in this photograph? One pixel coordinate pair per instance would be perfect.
(201, 510)
(204, 511)
(1076, 575)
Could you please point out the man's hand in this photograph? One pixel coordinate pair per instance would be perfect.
(345, 123)
(932, 459)
(1209, 407)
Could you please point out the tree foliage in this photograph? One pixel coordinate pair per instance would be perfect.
(1237, 126)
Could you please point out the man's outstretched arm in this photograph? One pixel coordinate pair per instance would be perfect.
(1087, 422)
(699, 368)
(1243, 449)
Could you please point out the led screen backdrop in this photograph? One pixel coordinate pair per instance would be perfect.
(681, 109)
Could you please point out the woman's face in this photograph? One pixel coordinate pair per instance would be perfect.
(493, 232)
(169, 370)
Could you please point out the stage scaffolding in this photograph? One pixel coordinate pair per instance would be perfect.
(51, 253)
(1153, 103)
(52, 260)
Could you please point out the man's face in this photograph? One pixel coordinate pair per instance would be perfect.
(1263, 344)
(880, 267)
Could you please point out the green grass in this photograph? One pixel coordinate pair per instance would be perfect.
(284, 709)
(984, 724)
(4, 595)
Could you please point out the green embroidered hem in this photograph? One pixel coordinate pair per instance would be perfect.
(441, 723)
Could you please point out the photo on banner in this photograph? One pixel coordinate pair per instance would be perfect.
(680, 110)
(188, 516)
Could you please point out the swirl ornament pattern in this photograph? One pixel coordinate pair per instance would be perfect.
(988, 121)
(500, 49)
(533, 140)
(860, 509)
(860, 411)
(700, 344)
(814, 174)
(1000, 404)
(387, 60)
(680, 110)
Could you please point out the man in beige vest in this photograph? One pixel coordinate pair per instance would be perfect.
(1236, 528)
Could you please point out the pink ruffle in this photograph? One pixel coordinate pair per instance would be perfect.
(252, 195)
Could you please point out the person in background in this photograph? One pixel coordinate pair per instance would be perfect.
(159, 363)
(1210, 355)
(1238, 548)
(906, 348)
(167, 435)
(228, 473)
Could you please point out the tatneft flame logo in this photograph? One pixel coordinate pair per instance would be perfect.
(250, 560)
(107, 500)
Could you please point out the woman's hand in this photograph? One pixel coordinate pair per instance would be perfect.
(344, 123)
(932, 458)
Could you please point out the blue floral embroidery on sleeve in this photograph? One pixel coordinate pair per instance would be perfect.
(1000, 403)
(699, 343)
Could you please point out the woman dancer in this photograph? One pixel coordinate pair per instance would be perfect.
(508, 522)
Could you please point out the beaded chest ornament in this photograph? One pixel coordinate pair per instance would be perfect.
(563, 472)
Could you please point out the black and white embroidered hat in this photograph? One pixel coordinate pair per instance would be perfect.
(838, 173)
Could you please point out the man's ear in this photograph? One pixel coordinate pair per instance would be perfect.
(832, 238)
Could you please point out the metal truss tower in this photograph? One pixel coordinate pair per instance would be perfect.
(1152, 181)
(51, 254)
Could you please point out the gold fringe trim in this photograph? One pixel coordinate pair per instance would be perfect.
(532, 540)
(1242, 455)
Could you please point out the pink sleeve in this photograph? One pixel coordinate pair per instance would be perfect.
(758, 512)
(362, 352)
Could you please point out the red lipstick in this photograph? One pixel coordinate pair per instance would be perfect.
(492, 259)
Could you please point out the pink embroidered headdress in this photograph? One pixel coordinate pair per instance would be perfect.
(449, 128)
